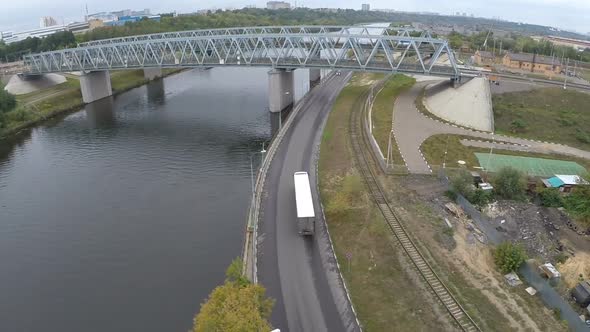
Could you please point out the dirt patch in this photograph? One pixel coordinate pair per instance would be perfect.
(468, 268)
(529, 225)
(575, 269)
(544, 232)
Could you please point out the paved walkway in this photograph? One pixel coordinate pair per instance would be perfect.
(412, 128)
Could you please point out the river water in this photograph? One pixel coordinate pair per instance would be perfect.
(124, 215)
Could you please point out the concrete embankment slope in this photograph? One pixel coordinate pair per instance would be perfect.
(469, 105)
(20, 85)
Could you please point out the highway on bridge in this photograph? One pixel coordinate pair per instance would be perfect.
(300, 272)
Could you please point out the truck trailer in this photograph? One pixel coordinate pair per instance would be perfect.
(304, 202)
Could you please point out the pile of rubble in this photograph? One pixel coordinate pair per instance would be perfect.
(534, 227)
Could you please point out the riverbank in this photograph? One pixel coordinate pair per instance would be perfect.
(37, 107)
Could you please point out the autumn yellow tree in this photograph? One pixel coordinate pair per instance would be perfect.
(235, 306)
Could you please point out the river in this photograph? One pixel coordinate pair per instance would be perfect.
(123, 216)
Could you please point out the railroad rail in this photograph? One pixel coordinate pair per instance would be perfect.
(366, 165)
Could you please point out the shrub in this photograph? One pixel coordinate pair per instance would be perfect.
(583, 137)
(480, 197)
(344, 198)
(463, 183)
(509, 183)
(517, 125)
(578, 203)
(508, 257)
(7, 100)
(18, 115)
(550, 197)
(451, 194)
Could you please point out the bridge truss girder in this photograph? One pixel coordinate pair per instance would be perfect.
(277, 47)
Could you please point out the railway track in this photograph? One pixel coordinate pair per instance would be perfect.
(366, 165)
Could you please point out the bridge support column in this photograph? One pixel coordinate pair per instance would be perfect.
(314, 76)
(280, 89)
(152, 73)
(95, 85)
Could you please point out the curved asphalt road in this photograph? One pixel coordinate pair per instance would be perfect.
(300, 272)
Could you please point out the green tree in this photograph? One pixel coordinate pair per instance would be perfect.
(508, 257)
(455, 40)
(550, 197)
(480, 197)
(462, 183)
(235, 306)
(509, 183)
(7, 100)
(578, 203)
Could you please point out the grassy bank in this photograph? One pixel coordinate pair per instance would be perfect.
(386, 291)
(36, 107)
(435, 146)
(550, 114)
(376, 275)
(383, 112)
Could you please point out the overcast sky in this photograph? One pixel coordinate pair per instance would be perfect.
(566, 14)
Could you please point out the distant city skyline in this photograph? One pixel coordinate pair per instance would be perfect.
(564, 14)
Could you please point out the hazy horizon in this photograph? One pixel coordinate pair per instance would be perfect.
(563, 14)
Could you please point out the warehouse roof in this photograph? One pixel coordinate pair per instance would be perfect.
(528, 57)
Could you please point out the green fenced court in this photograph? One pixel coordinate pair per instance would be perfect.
(528, 165)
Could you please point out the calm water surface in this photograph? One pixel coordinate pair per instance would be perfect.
(124, 216)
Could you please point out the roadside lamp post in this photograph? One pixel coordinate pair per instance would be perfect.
(263, 151)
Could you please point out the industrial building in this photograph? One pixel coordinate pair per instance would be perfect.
(12, 37)
(131, 19)
(365, 7)
(575, 43)
(533, 63)
(484, 58)
(47, 21)
(273, 5)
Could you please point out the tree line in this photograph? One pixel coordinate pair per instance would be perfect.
(515, 43)
(7, 103)
(58, 40)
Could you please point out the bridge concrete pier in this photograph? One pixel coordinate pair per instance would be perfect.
(152, 73)
(315, 74)
(95, 85)
(280, 89)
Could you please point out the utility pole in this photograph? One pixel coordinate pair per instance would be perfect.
(566, 73)
(494, 51)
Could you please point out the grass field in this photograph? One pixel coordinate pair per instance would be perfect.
(434, 151)
(528, 165)
(378, 285)
(382, 112)
(550, 114)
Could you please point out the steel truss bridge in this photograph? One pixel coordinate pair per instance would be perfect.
(289, 47)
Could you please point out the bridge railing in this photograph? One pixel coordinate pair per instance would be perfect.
(258, 30)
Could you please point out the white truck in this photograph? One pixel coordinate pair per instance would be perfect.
(304, 202)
